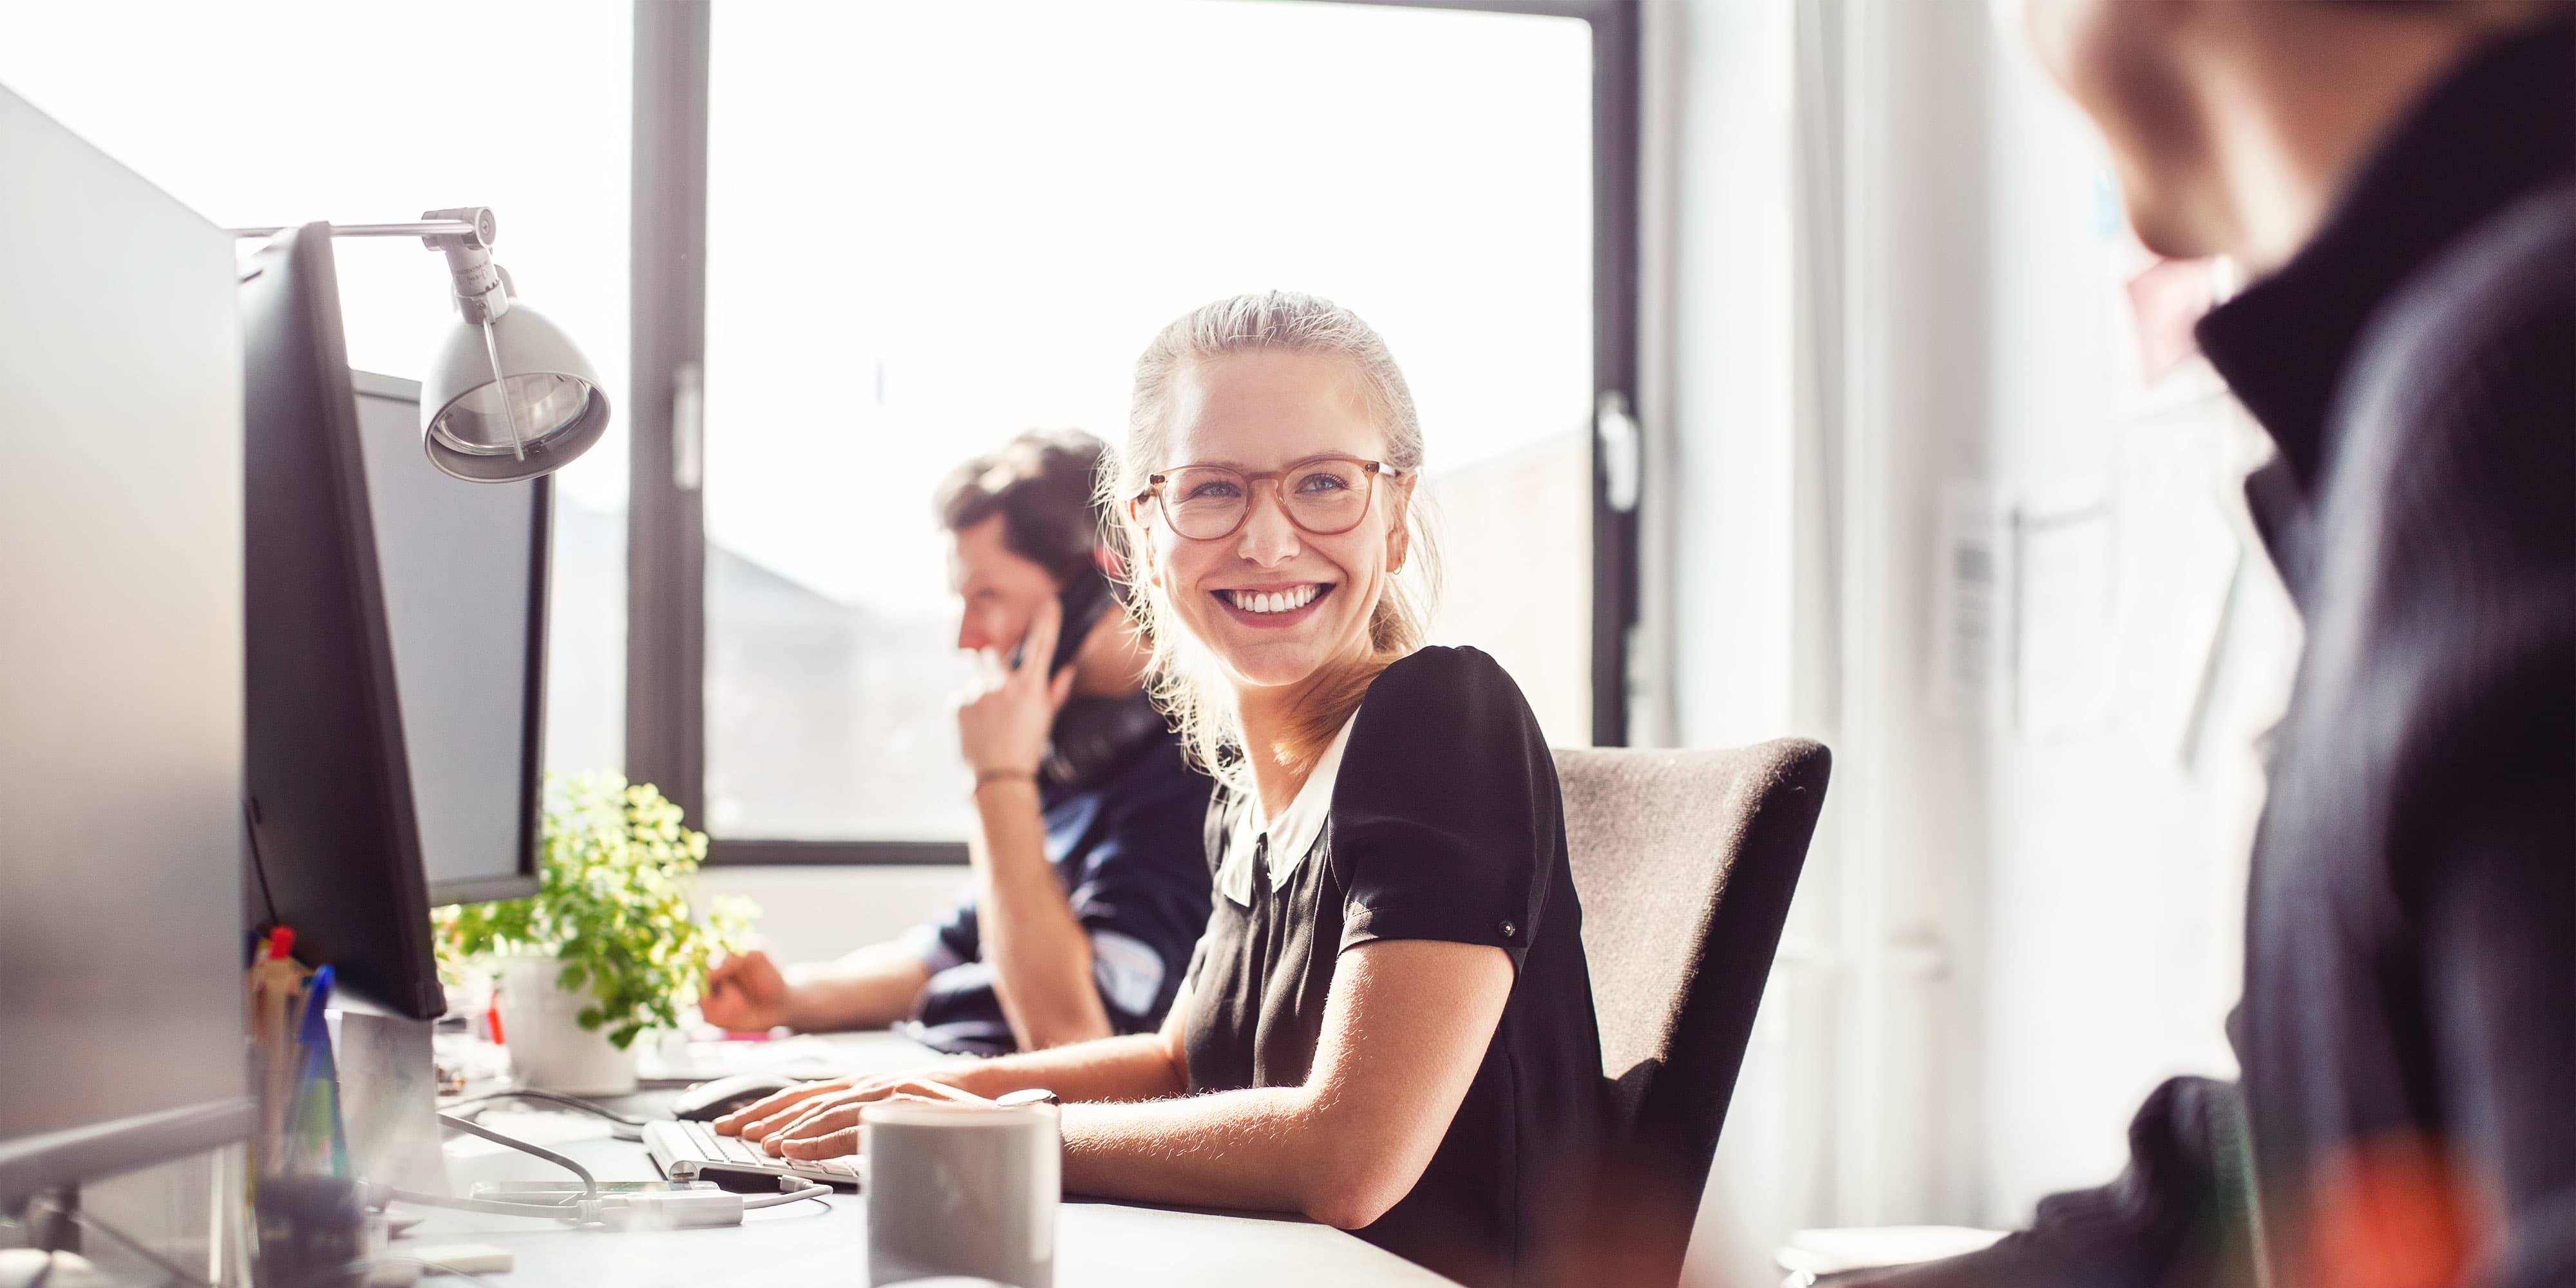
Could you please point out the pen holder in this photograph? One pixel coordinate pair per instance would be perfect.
(312, 1233)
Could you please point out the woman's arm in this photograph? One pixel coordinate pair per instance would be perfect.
(822, 1118)
(1405, 1028)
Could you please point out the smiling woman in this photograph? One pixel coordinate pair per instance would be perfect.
(1388, 1025)
(1225, 385)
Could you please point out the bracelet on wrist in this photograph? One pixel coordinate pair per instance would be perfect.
(988, 776)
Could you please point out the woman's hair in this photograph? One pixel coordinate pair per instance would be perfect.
(1183, 677)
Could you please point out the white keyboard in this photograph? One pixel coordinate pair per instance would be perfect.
(687, 1151)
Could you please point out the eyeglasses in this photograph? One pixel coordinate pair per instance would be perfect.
(1324, 495)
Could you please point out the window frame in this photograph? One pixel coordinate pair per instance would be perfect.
(666, 520)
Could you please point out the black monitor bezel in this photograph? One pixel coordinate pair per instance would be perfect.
(335, 836)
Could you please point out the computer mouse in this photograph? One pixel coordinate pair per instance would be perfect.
(708, 1101)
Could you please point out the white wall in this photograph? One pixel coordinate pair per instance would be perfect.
(1890, 273)
(2116, 868)
(1720, 406)
(816, 913)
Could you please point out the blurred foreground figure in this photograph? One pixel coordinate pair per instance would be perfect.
(2399, 179)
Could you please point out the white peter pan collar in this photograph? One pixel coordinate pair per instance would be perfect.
(1292, 835)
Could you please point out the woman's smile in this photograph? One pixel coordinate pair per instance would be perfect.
(1273, 605)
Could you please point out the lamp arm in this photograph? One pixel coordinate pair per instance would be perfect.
(465, 234)
(425, 229)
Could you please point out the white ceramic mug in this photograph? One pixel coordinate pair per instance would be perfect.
(962, 1190)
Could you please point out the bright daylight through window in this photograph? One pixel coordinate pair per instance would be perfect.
(385, 116)
(931, 226)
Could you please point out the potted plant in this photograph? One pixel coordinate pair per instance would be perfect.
(608, 947)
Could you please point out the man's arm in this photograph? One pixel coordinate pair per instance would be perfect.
(1041, 958)
(866, 989)
(869, 988)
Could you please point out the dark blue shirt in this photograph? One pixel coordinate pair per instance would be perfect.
(1125, 842)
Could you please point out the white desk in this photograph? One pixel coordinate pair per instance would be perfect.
(1097, 1244)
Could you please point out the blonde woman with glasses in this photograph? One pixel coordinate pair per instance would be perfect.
(1388, 1026)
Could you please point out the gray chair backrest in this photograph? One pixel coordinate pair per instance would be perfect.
(1684, 862)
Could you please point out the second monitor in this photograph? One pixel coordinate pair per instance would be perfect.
(464, 572)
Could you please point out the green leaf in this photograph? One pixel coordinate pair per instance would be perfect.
(613, 906)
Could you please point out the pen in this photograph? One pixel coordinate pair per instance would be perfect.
(274, 983)
(320, 1146)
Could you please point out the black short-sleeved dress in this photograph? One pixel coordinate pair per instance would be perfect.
(1434, 815)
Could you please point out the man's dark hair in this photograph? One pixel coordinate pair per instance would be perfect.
(1041, 485)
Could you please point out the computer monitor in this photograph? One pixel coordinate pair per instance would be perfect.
(120, 670)
(464, 569)
(395, 651)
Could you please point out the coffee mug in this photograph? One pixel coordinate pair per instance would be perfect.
(962, 1190)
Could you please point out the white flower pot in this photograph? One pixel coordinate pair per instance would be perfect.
(541, 1025)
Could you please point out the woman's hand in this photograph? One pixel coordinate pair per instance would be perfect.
(1003, 728)
(772, 1113)
(821, 1120)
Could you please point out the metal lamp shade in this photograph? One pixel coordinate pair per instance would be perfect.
(555, 403)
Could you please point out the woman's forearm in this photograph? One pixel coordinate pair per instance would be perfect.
(1407, 1024)
(1262, 1148)
(1134, 1067)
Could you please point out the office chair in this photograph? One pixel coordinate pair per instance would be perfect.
(1684, 861)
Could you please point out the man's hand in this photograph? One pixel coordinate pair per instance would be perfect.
(821, 1119)
(745, 994)
(1003, 727)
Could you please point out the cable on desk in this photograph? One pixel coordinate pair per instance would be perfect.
(549, 1211)
(553, 1098)
(580, 1210)
(371, 1266)
(589, 1183)
(812, 1191)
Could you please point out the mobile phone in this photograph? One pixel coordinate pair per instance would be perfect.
(1085, 598)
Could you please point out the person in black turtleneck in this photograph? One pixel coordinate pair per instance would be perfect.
(1090, 883)
(2399, 180)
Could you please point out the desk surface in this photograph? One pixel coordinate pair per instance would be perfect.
(826, 1242)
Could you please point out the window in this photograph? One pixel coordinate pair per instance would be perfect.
(931, 226)
(365, 114)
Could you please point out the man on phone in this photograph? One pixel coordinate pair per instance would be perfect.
(1090, 874)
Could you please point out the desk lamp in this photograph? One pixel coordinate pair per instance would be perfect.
(509, 396)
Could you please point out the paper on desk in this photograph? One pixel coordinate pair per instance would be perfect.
(804, 1055)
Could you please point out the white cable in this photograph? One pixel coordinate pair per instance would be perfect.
(589, 1183)
(811, 1191)
(550, 1212)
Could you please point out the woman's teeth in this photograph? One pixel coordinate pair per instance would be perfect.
(1277, 601)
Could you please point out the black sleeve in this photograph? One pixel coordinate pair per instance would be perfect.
(1445, 814)
(2458, 712)
(2174, 1216)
